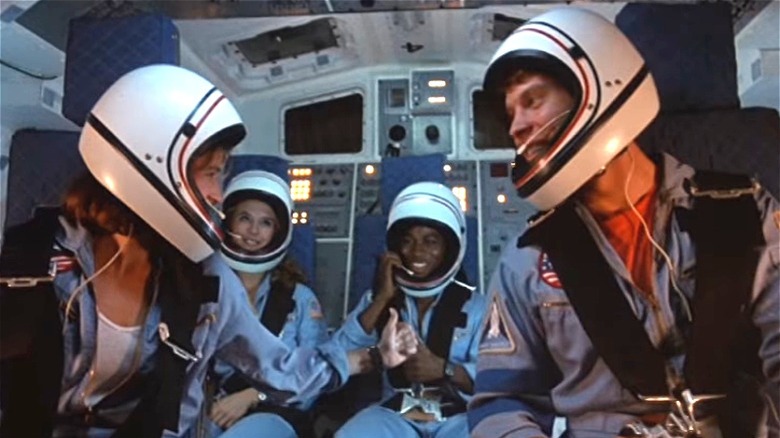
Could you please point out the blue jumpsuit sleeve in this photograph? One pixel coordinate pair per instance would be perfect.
(312, 329)
(475, 315)
(766, 303)
(245, 344)
(351, 334)
(515, 373)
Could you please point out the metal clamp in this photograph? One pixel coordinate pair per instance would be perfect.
(681, 422)
(724, 193)
(20, 282)
(165, 335)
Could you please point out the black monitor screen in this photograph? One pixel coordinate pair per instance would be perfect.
(329, 127)
(490, 122)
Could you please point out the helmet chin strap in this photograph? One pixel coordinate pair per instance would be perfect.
(424, 293)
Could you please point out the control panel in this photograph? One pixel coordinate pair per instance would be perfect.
(461, 177)
(367, 190)
(504, 214)
(322, 194)
(415, 117)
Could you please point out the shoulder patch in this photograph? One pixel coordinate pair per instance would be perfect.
(315, 311)
(495, 335)
(776, 217)
(547, 273)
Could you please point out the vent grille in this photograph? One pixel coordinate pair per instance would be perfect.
(504, 25)
(289, 42)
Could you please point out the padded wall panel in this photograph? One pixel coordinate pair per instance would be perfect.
(738, 141)
(269, 163)
(689, 49)
(100, 50)
(41, 166)
(368, 246)
(331, 267)
(399, 172)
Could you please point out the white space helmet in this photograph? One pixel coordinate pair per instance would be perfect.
(272, 190)
(434, 205)
(139, 142)
(614, 93)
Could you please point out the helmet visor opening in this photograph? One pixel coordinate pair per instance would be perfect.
(399, 230)
(246, 223)
(206, 172)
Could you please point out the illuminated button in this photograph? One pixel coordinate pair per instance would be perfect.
(370, 169)
(501, 198)
(461, 193)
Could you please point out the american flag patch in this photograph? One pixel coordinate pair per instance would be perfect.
(547, 273)
(62, 263)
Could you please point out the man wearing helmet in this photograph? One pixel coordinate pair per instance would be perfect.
(420, 275)
(115, 334)
(597, 316)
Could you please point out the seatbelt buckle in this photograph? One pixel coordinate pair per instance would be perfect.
(427, 400)
(681, 421)
(165, 335)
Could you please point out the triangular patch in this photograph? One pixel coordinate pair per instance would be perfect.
(495, 336)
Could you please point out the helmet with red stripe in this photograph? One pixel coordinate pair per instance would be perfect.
(141, 139)
(614, 94)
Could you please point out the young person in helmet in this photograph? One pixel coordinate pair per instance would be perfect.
(596, 313)
(420, 275)
(258, 225)
(116, 339)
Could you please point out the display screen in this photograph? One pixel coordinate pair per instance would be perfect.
(396, 98)
(499, 170)
(491, 126)
(332, 126)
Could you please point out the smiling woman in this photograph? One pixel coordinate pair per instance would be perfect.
(259, 231)
(252, 226)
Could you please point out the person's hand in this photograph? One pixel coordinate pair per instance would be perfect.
(385, 283)
(398, 341)
(423, 366)
(227, 410)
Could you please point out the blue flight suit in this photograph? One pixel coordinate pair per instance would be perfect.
(226, 329)
(536, 360)
(305, 327)
(378, 421)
